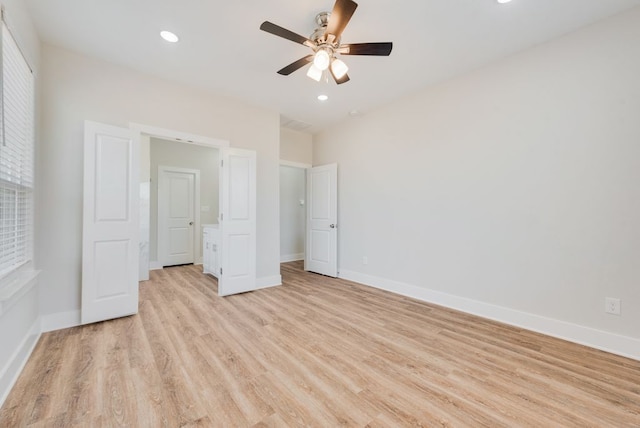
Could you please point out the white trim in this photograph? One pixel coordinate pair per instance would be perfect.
(8, 272)
(144, 141)
(145, 230)
(295, 164)
(155, 265)
(60, 320)
(291, 257)
(11, 371)
(15, 287)
(180, 136)
(268, 281)
(610, 342)
(197, 237)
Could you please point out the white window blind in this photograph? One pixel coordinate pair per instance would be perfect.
(16, 157)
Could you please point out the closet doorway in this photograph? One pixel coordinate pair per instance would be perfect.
(292, 211)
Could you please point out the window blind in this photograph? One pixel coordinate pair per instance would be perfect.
(16, 157)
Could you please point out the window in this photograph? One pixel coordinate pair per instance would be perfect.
(16, 157)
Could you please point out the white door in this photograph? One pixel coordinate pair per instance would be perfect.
(322, 214)
(237, 222)
(176, 215)
(110, 223)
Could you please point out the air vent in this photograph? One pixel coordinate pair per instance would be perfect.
(296, 125)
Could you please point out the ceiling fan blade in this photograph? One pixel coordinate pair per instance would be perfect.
(276, 30)
(340, 16)
(340, 81)
(378, 49)
(295, 65)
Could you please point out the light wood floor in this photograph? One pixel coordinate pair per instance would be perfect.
(314, 352)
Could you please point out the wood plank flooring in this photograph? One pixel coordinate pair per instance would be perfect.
(315, 352)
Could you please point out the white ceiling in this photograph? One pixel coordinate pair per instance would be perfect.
(223, 50)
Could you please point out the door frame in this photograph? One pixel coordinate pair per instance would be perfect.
(197, 237)
(143, 134)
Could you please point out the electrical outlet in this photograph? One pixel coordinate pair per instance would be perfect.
(365, 260)
(612, 306)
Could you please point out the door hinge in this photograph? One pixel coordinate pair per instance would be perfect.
(221, 216)
(220, 271)
(222, 162)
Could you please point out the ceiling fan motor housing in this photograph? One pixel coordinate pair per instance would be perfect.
(319, 34)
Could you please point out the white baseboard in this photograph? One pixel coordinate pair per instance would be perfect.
(291, 257)
(616, 344)
(60, 320)
(11, 371)
(268, 281)
(155, 265)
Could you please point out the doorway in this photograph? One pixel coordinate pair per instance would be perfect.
(185, 189)
(180, 144)
(292, 212)
(236, 200)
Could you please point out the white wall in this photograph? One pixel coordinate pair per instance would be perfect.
(513, 190)
(182, 155)
(20, 323)
(292, 213)
(296, 146)
(76, 88)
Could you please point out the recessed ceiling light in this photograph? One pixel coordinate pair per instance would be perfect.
(323, 97)
(169, 36)
(503, 1)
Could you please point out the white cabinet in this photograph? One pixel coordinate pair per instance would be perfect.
(210, 249)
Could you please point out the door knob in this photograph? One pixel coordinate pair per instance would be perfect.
(190, 223)
(332, 226)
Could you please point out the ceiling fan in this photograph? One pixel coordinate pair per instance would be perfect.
(326, 44)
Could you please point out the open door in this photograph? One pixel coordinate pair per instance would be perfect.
(110, 223)
(237, 222)
(321, 255)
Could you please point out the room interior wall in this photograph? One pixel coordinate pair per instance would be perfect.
(511, 191)
(19, 320)
(296, 146)
(292, 213)
(76, 88)
(182, 155)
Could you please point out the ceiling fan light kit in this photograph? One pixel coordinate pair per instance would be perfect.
(314, 73)
(339, 68)
(322, 59)
(326, 44)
